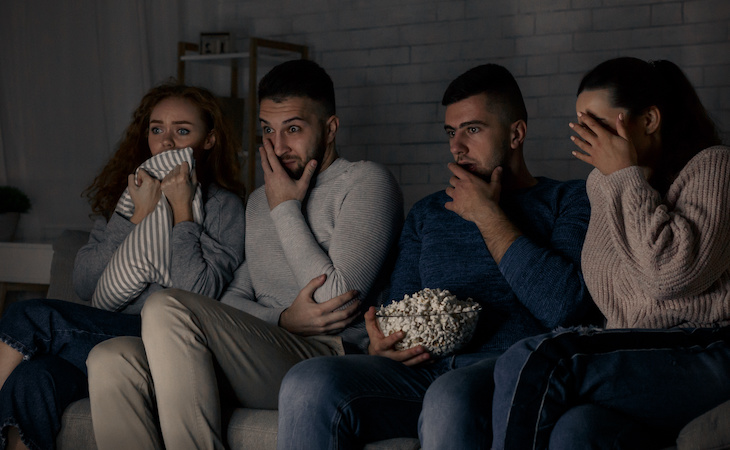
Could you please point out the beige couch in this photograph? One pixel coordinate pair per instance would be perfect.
(248, 428)
(256, 429)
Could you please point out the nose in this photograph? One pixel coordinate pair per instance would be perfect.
(168, 140)
(456, 145)
(279, 143)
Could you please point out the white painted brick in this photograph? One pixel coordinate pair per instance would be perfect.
(706, 11)
(562, 22)
(414, 174)
(514, 26)
(666, 14)
(621, 18)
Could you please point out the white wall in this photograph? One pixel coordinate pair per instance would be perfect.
(391, 60)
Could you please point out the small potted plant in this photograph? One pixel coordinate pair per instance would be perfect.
(13, 202)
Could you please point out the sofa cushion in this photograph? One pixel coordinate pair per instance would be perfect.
(710, 431)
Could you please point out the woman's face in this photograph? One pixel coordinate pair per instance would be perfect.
(597, 103)
(176, 123)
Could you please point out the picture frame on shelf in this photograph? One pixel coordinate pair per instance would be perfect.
(215, 43)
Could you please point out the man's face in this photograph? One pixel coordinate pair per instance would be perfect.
(295, 130)
(478, 138)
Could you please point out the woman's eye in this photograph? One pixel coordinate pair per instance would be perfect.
(183, 131)
(155, 130)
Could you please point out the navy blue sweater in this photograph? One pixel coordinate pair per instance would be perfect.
(538, 284)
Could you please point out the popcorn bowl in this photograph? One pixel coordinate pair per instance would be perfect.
(433, 318)
(440, 333)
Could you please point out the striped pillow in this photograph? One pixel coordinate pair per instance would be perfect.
(144, 255)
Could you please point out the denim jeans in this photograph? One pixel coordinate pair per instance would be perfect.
(343, 402)
(636, 381)
(55, 337)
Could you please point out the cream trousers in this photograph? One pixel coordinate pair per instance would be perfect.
(166, 386)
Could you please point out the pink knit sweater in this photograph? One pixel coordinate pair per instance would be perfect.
(653, 262)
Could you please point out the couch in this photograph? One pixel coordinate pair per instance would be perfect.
(256, 429)
(253, 429)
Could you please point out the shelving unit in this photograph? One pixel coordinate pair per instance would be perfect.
(273, 53)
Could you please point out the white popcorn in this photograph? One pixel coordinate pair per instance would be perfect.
(433, 318)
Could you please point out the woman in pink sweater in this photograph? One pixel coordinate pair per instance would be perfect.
(656, 261)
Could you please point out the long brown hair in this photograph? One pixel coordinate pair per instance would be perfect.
(221, 165)
(636, 85)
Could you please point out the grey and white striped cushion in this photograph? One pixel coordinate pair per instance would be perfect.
(144, 255)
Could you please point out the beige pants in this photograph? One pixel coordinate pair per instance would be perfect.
(191, 345)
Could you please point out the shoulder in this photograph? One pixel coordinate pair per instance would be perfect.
(369, 171)
(430, 205)
(216, 195)
(710, 158)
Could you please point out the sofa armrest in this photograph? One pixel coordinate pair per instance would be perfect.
(65, 248)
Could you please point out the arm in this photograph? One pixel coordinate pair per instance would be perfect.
(364, 229)
(92, 258)
(534, 269)
(678, 246)
(205, 257)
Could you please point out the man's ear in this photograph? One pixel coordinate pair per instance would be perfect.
(209, 140)
(517, 133)
(652, 119)
(333, 123)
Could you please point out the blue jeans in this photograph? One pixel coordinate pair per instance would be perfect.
(55, 337)
(626, 385)
(343, 402)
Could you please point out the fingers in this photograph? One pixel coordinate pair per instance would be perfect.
(314, 284)
(142, 176)
(621, 126)
(308, 173)
(457, 170)
(131, 183)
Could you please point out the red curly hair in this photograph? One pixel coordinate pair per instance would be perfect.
(221, 165)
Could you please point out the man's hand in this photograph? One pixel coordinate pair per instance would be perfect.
(279, 186)
(471, 196)
(179, 189)
(145, 193)
(306, 317)
(382, 345)
(477, 200)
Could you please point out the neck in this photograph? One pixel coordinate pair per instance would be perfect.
(517, 176)
(330, 155)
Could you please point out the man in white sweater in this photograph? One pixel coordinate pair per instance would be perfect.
(319, 236)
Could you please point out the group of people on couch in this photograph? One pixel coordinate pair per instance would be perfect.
(274, 307)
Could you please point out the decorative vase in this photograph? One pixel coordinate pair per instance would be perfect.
(8, 225)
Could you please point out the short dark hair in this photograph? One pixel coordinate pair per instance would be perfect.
(495, 81)
(299, 78)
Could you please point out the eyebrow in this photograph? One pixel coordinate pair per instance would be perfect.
(177, 122)
(465, 124)
(295, 118)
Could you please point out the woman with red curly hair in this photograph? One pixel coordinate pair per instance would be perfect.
(44, 343)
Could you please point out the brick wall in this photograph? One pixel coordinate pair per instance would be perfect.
(391, 61)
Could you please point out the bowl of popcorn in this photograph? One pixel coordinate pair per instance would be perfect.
(433, 318)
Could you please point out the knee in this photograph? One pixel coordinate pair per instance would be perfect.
(115, 361)
(461, 399)
(311, 384)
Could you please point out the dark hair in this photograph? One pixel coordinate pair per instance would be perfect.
(299, 78)
(221, 165)
(636, 85)
(495, 81)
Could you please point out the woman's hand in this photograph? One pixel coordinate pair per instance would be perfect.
(145, 193)
(179, 189)
(602, 148)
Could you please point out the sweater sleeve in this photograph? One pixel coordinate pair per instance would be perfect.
(365, 228)
(547, 278)
(205, 257)
(92, 258)
(678, 246)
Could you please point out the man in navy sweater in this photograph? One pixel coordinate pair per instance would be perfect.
(497, 234)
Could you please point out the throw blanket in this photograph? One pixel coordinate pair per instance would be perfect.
(145, 254)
